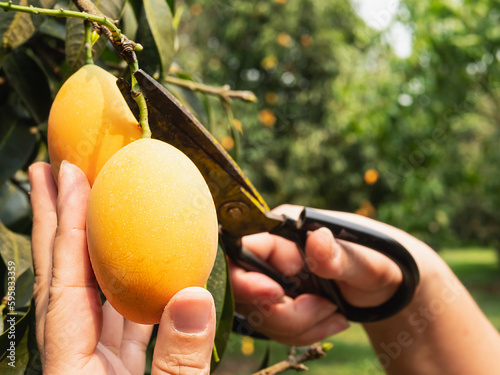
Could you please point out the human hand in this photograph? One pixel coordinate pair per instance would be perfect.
(75, 333)
(365, 277)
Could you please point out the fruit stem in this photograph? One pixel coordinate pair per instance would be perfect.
(88, 43)
(141, 102)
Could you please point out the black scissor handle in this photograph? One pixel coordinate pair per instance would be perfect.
(306, 282)
(311, 219)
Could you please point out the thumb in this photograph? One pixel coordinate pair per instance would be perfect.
(186, 334)
(366, 277)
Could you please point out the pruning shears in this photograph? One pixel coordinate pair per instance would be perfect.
(241, 210)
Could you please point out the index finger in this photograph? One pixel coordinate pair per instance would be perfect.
(43, 203)
(281, 254)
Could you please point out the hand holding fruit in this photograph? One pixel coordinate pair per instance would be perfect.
(75, 333)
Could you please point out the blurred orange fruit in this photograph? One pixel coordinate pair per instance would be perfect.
(267, 117)
(371, 176)
(284, 40)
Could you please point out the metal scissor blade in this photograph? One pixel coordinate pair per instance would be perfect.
(240, 208)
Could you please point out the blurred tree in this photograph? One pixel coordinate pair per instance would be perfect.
(335, 102)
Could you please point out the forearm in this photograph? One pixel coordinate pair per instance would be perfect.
(442, 331)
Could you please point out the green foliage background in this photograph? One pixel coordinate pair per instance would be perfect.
(345, 104)
(334, 102)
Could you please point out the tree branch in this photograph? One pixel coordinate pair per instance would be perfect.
(224, 92)
(296, 362)
(89, 12)
(125, 47)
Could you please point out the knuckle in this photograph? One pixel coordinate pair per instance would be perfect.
(41, 286)
(182, 364)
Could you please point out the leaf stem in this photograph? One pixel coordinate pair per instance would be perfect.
(141, 102)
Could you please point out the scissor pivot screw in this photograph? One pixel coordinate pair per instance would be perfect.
(234, 210)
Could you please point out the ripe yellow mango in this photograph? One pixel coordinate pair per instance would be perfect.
(89, 121)
(151, 228)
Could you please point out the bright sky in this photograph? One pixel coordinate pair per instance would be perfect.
(378, 14)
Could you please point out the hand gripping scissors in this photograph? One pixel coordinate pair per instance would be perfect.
(241, 210)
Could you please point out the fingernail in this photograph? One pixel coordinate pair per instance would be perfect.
(190, 310)
(327, 241)
(66, 170)
(63, 169)
(326, 236)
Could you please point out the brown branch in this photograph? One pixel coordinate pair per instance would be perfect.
(224, 92)
(296, 362)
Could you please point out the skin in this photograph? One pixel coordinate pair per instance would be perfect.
(75, 334)
(441, 331)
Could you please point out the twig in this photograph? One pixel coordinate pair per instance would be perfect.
(124, 46)
(224, 92)
(296, 362)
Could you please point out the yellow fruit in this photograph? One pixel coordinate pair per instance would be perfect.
(89, 121)
(371, 176)
(151, 228)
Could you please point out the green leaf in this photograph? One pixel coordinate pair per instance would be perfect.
(129, 21)
(17, 143)
(53, 28)
(17, 364)
(24, 288)
(30, 83)
(225, 324)
(159, 17)
(35, 362)
(171, 5)
(218, 284)
(149, 58)
(15, 208)
(15, 337)
(15, 29)
(15, 251)
(265, 363)
(75, 33)
(217, 281)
